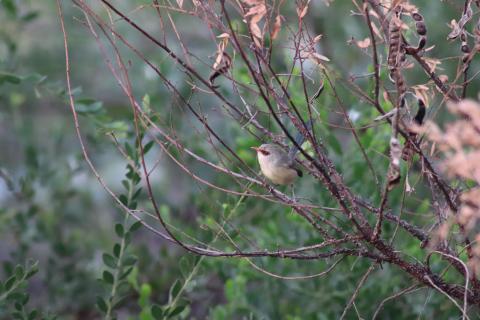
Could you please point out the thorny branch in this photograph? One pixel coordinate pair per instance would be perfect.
(365, 221)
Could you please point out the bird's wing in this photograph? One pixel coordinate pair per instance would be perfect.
(286, 162)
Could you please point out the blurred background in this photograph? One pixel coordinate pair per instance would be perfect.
(60, 230)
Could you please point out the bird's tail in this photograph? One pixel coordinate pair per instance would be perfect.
(299, 139)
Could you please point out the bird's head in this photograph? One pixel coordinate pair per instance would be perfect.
(267, 149)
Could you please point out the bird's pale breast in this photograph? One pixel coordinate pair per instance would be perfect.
(277, 174)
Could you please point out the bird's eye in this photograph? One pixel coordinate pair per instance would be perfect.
(264, 152)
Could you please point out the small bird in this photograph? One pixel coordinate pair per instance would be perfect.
(278, 166)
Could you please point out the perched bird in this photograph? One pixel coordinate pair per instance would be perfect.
(278, 166)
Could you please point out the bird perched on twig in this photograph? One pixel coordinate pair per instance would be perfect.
(276, 164)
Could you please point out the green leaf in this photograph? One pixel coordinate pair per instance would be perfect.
(176, 311)
(123, 199)
(109, 260)
(88, 108)
(116, 250)
(137, 193)
(33, 269)
(146, 104)
(126, 273)
(174, 290)
(129, 150)
(157, 311)
(121, 301)
(9, 77)
(127, 238)
(116, 126)
(134, 227)
(9, 283)
(148, 146)
(25, 299)
(119, 230)
(101, 304)
(19, 272)
(130, 261)
(10, 6)
(30, 16)
(185, 266)
(16, 296)
(33, 314)
(108, 277)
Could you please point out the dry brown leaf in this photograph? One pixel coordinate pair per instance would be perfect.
(180, 3)
(456, 30)
(302, 9)
(317, 38)
(410, 8)
(255, 13)
(373, 13)
(443, 78)
(276, 26)
(363, 44)
(432, 63)
(423, 93)
(376, 30)
(224, 37)
(317, 58)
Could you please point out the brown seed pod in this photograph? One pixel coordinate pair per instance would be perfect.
(401, 86)
(422, 33)
(466, 51)
(394, 42)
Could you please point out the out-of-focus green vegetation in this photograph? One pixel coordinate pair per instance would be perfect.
(68, 251)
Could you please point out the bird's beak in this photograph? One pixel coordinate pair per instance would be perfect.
(255, 148)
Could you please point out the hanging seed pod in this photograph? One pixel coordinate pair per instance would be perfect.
(421, 29)
(401, 86)
(394, 47)
(466, 51)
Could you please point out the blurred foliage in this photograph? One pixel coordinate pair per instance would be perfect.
(91, 261)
